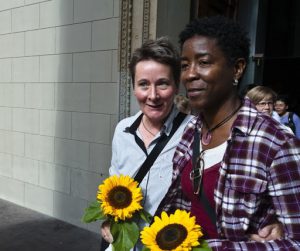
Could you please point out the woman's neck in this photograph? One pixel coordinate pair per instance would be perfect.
(218, 130)
(153, 126)
(218, 113)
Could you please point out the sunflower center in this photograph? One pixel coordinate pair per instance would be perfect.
(120, 197)
(171, 236)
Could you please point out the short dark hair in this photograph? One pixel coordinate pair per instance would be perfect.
(283, 98)
(229, 35)
(160, 50)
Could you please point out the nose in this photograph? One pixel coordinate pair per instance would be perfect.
(191, 73)
(153, 93)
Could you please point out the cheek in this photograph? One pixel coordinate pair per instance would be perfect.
(258, 108)
(169, 96)
(140, 96)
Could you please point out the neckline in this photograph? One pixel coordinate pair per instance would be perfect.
(207, 136)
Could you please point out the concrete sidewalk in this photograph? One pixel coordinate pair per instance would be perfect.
(22, 229)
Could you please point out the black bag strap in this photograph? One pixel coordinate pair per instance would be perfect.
(291, 122)
(202, 197)
(163, 140)
(291, 114)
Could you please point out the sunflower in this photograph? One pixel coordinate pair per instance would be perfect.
(179, 232)
(120, 197)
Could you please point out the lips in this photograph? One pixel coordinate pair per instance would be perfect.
(155, 106)
(195, 91)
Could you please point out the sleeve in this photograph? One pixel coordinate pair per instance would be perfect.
(296, 120)
(222, 245)
(284, 190)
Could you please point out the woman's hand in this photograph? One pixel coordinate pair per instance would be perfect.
(268, 233)
(105, 232)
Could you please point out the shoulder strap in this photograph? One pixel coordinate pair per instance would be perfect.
(202, 196)
(163, 140)
(291, 123)
(291, 117)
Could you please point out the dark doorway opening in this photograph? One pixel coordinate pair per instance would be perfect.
(282, 50)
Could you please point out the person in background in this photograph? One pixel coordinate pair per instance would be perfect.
(182, 104)
(264, 98)
(155, 72)
(287, 118)
(240, 170)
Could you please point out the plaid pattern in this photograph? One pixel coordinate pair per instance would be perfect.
(259, 182)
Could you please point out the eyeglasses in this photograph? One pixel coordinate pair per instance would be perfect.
(197, 173)
(264, 103)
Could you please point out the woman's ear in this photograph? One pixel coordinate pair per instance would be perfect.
(239, 68)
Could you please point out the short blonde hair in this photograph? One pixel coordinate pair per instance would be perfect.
(258, 93)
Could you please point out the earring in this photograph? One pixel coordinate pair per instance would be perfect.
(235, 82)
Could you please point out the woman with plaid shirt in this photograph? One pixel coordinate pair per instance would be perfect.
(240, 169)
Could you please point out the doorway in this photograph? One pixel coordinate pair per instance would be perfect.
(274, 30)
(282, 50)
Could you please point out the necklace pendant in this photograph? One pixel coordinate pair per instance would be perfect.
(206, 138)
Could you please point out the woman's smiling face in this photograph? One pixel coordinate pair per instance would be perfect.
(154, 89)
(205, 72)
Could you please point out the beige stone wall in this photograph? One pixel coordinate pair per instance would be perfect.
(64, 84)
(59, 102)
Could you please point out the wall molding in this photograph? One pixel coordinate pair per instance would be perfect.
(124, 57)
(138, 23)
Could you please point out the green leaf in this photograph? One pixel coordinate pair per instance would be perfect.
(93, 212)
(147, 217)
(201, 249)
(125, 235)
(146, 249)
(203, 246)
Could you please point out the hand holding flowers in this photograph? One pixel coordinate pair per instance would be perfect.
(119, 203)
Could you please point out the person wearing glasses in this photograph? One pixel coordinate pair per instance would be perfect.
(240, 170)
(264, 98)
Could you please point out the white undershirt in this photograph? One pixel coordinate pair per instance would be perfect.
(214, 155)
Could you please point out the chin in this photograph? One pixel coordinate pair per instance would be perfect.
(197, 106)
(155, 116)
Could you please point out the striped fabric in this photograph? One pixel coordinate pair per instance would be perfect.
(259, 182)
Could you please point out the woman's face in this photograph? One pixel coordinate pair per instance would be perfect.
(154, 89)
(205, 73)
(266, 105)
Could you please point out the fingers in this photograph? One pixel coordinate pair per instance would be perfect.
(271, 232)
(268, 233)
(256, 237)
(105, 232)
(108, 237)
(264, 232)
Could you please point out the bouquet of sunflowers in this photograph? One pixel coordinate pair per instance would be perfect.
(119, 203)
(176, 232)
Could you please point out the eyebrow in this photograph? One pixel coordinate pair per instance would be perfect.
(198, 55)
